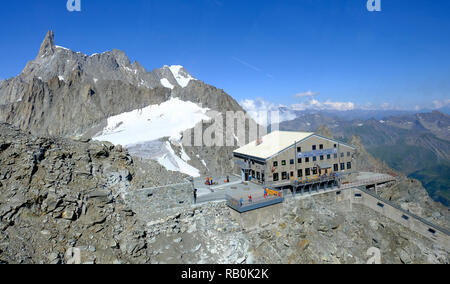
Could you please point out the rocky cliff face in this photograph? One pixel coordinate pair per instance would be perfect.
(56, 194)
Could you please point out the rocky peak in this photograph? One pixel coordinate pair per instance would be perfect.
(325, 131)
(120, 56)
(48, 45)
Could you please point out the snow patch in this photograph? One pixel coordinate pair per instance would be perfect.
(128, 69)
(61, 47)
(174, 163)
(182, 77)
(142, 84)
(184, 156)
(168, 119)
(167, 84)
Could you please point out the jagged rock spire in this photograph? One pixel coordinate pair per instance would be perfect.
(48, 45)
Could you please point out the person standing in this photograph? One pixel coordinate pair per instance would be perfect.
(195, 196)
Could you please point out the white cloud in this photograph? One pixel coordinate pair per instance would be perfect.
(327, 105)
(440, 104)
(259, 109)
(306, 94)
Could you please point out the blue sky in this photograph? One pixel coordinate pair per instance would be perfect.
(334, 49)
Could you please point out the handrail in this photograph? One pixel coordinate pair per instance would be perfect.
(367, 181)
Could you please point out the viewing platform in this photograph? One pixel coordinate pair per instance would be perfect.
(244, 205)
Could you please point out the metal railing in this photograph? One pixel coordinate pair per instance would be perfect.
(367, 181)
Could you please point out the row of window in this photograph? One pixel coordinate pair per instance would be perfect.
(307, 159)
(314, 147)
(257, 175)
(309, 171)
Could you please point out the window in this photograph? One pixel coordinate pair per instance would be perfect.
(336, 167)
(348, 154)
(314, 158)
(307, 172)
(321, 157)
(321, 146)
(405, 217)
(328, 156)
(432, 231)
(284, 176)
(335, 156)
(314, 147)
(258, 175)
(292, 174)
(358, 195)
(342, 167)
(299, 160)
(276, 177)
(380, 204)
(275, 164)
(299, 149)
(349, 166)
(306, 160)
(335, 145)
(338, 192)
(314, 171)
(300, 173)
(342, 155)
(292, 161)
(283, 163)
(253, 174)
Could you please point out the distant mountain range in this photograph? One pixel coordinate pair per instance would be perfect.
(417, 144)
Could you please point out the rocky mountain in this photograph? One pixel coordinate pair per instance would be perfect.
(417, 145)
(62, 93)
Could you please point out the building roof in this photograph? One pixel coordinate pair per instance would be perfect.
(272, 144)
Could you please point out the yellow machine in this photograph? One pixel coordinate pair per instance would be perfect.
(271, 192)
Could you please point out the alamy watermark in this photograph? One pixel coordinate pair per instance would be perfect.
(230, 129)
(374, 5)
(375, 255)
(73, 256)
(73, 5)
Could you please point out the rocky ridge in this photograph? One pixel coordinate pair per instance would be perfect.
(62, 93)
